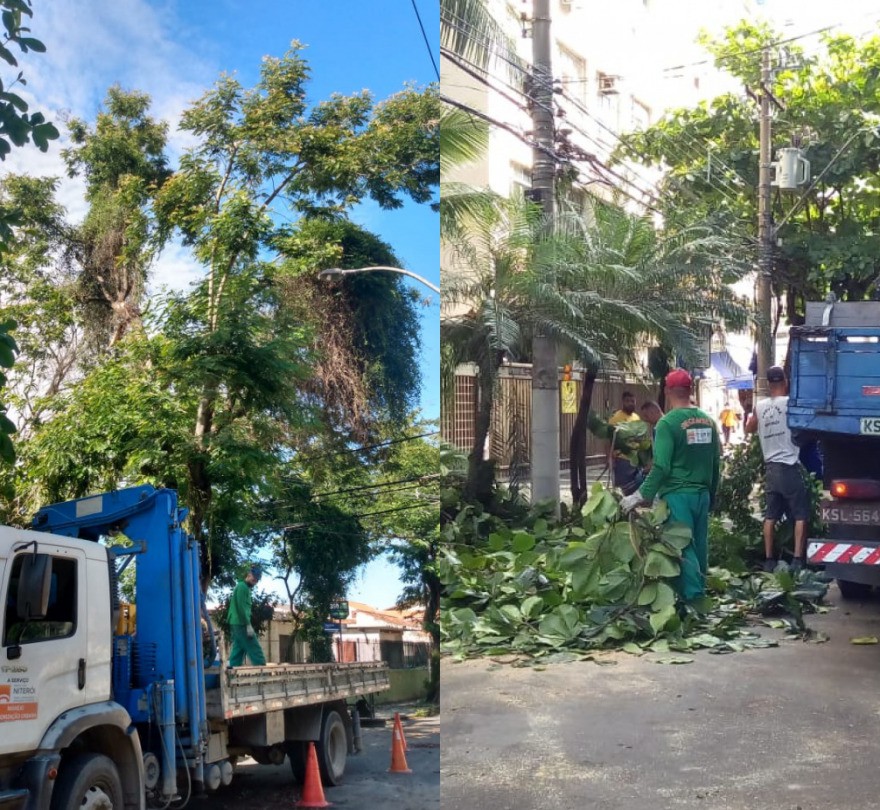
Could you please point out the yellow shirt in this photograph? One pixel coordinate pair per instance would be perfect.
(619, 417)
(728, 418)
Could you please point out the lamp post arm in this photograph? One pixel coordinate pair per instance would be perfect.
(400, 270)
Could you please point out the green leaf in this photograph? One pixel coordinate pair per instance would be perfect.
(6, 56)
(32, 44)
(677, 535)
(7, 450)
(576, 552)
(585, 580)
(563, 623)
(661, 645)
(621, 543)
(864, 640)
(632, 648)
(532, 606)
(674, 659)
(659, 619)
(659, 565)
(665, 597)
(648, 594)
(522, 541)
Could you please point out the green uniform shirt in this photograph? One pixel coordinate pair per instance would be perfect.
(686, 455)
(240, 604)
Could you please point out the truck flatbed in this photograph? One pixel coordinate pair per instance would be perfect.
(245, 691)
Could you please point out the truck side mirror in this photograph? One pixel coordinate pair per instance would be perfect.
(34, 585)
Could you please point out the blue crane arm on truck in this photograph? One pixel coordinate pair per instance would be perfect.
(834, 398)
(142, 717)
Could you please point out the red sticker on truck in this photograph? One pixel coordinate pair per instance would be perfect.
(17, 701)
(871, 390)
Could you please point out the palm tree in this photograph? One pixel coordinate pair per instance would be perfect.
(493, 244)
(617, 284)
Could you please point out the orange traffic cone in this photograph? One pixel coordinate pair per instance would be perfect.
(399, 726)
(313, 792)
(398, 756)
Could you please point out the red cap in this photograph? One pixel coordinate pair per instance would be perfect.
(678, 379)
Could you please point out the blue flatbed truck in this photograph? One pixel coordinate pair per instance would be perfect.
(94, 718)
(834, 397)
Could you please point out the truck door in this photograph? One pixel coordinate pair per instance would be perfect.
(43, 661)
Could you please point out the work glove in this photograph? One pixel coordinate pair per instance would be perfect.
(630, 502)
(250, 631)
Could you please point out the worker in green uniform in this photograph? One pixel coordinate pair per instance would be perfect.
(244, 639)
(685, 474)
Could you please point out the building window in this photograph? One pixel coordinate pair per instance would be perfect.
(60, 618)
(608, 96)
(573, 74)
(640, 116)
(520, 178)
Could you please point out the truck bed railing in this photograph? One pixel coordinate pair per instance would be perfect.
(251, 690)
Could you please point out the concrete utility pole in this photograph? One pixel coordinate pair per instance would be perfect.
(765, 235)
(545, 370)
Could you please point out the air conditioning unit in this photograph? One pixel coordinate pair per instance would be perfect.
(608, 85)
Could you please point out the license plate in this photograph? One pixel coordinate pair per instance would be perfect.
(863, 514)
(869, 426)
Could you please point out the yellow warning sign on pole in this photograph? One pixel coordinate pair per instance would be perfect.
(568, 391)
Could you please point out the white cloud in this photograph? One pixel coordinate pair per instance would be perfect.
(176, 269)
(90, 47)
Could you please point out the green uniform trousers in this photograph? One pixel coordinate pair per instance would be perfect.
(692, 509)
(243, 645)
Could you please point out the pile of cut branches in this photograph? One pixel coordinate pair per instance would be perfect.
(601, 581)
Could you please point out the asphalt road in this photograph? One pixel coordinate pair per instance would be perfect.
(796, 726)
(367, 781)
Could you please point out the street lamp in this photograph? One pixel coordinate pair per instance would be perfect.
(337, 271)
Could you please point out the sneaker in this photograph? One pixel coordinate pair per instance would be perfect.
(769, 565)
(797, 564)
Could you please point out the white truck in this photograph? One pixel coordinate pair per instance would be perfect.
(90, 718)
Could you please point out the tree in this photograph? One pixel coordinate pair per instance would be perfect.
(263, 153)
(407, 513)
(17, 127)
(621, 285)
(495, 245)
(709, 156)
(122, 160)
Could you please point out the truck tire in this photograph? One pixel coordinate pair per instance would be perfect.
(332, 748)
(297, 753)
(88, 782)
(853, 590)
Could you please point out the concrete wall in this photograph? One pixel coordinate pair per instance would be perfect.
(406, 685)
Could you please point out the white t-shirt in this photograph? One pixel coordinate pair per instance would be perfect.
(773, 432)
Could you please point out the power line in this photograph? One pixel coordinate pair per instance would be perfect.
(401, 508)
(425, 37)
(378, 486)
(576, 103)
(366, 447)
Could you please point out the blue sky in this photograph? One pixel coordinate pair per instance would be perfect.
(175, 49)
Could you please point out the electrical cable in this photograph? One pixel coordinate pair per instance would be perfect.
(425, 37)
(548, 86)
(364, 448)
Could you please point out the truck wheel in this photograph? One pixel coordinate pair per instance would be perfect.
(853, 590)
(297, 753)
(332, 749)
(88, 782)
(269, 755)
